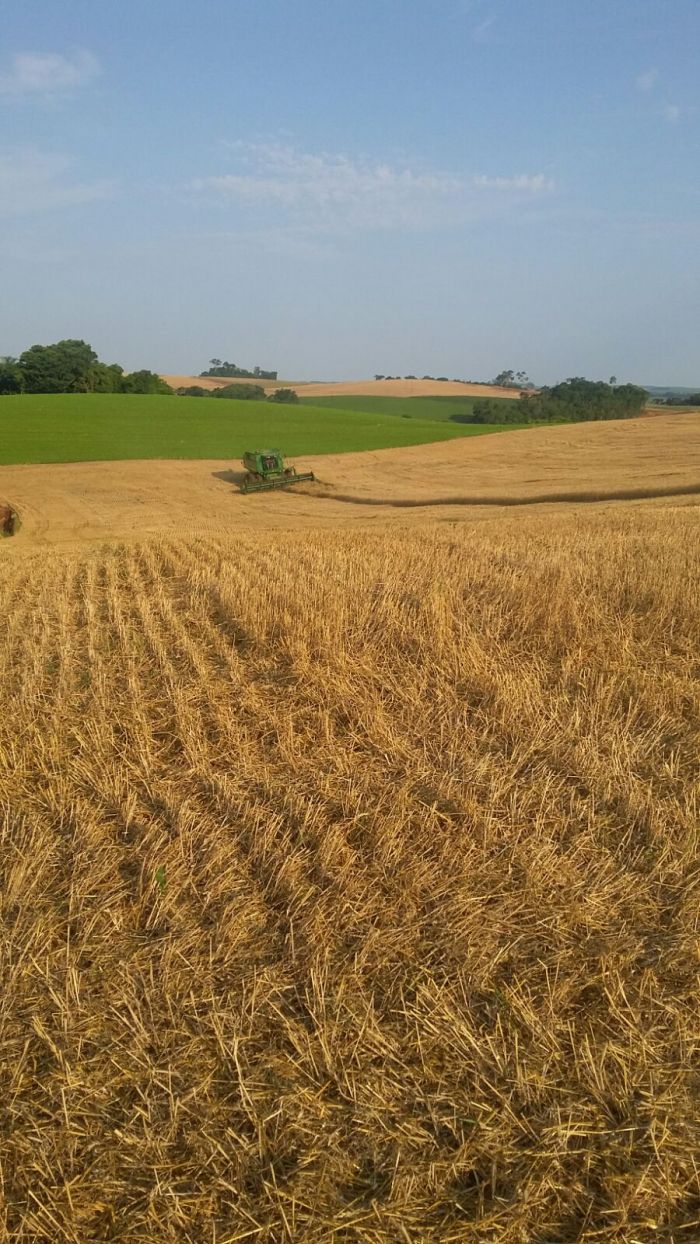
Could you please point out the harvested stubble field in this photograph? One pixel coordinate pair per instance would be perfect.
(350, 885)
(471, 477)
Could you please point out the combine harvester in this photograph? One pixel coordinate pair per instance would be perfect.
(265, 469)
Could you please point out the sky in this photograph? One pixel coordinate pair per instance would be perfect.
(338, 188)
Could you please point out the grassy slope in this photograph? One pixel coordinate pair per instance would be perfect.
(84, 428)
(439, 409)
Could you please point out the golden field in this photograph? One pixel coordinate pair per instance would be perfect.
(474, 478)
(349, 880)
(352, 388)
(350, 885)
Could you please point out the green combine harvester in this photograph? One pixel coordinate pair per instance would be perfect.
(265, 468)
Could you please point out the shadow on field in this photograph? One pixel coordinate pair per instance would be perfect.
(229, 477)
(619, 494)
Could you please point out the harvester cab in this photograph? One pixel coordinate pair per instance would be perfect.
(266, 469)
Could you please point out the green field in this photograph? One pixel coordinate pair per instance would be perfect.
(434, 409)
(106, 426)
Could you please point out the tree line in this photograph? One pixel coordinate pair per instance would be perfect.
(687, 399)
(217, 368)
(241, 393)
(573, 401)
(72, 366)
(504, 380)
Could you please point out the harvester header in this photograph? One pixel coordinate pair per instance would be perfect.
(266, 469)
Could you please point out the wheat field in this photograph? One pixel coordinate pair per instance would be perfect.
(472, 478)
(353, 388)
(349, 884)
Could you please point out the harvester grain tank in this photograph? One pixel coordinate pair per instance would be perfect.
(266, 469)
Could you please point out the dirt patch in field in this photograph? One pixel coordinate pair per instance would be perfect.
(353, 388)
(636, 459)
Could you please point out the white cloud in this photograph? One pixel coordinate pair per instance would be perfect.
(48, 73)
(34, 181)
(337, 192)
(528, 183)
(646, 82)
(672, 113)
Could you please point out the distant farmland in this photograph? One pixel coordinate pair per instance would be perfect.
(348, 388)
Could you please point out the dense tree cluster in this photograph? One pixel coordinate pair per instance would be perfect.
(286, 396)
(217, 368)
(241, 392)
(573, 401)
(72, 366)
(488, 411)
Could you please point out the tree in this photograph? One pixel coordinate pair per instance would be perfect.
(613, 380)
(144, 382)
(105, 378)
(241, 392)
(287, 396)
(11, 377)
(215, 362)
(61, 368)
(505, 379)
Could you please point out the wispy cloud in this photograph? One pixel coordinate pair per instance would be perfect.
(480, 32)
(529, 184)
(339, 192)
(645, 82)
(35, 181)
(481, 14)
(48, 73)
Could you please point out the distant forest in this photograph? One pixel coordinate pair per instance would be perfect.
(573, 401)
(684, 399)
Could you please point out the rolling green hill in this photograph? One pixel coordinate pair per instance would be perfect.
(108, 426)
(437, 409)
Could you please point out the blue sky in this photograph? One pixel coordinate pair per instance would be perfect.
(341, 187)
